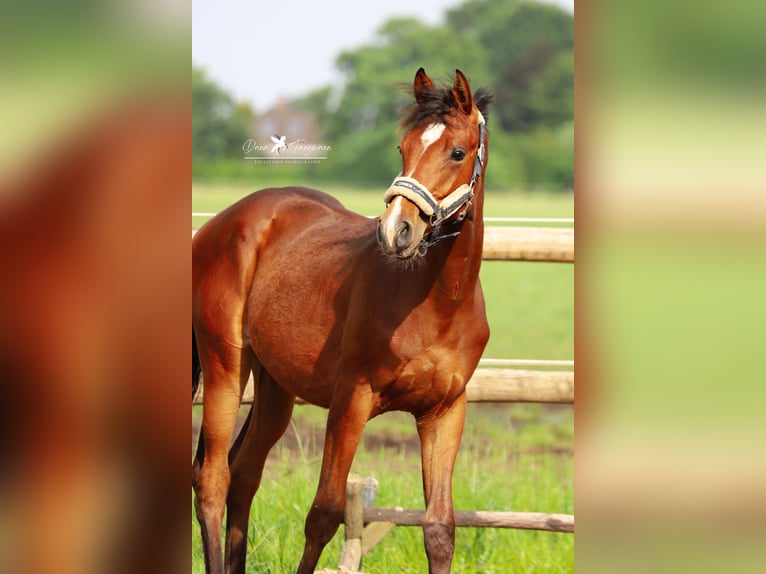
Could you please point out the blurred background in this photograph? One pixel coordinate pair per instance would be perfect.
(95, 157)
(671, 274)
(270, 69)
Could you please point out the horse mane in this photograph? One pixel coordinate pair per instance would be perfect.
(440, 101)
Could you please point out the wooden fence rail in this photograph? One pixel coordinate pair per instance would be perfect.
(367, 526)
(555, 244)
(477, 518)
(494, 386)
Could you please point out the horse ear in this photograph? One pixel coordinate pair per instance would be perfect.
(421, 84)
(462, 92)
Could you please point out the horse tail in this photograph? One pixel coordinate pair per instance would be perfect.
(196, 368)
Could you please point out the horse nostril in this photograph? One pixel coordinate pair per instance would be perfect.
(403, 235)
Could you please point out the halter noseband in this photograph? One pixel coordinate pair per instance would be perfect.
(439, 211)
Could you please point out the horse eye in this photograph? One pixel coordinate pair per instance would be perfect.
(399, 149)
(457, 154)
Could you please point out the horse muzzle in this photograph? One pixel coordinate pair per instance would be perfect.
(401, 229)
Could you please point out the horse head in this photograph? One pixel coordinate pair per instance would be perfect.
(443, 157)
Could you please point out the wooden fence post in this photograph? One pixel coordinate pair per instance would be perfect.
(351, 557)
(374, 532)
(360, 539)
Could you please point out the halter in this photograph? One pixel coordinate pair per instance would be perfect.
(437, 211)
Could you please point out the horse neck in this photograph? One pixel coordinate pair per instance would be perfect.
(466, 255)
(460, 270)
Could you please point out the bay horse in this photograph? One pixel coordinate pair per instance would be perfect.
(357, 315)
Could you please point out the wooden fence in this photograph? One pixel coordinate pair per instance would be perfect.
(493, 386)
(365, 525)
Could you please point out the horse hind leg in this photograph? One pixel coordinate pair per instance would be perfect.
(226, 369)
(267, 421)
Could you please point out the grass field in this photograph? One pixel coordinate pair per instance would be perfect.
(212, 197)
(513, 457)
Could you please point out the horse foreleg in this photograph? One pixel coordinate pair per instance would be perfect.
(345, 423)
(268, 420)
(440, 434)
(225, 371)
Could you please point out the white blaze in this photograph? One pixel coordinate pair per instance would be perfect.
(430, 135)
(389, 230)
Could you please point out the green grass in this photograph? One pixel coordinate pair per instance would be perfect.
(513, 457)
(208, 197)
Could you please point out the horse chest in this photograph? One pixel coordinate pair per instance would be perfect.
(434, 377)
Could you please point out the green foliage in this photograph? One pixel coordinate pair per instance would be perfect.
(547, 156)
(219, 124)
(359, 120)
(366, 156)
(551, 93)
(540, 160)
(522, 50)
(529, 46)
(373, 93)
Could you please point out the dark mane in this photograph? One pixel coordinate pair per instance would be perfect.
(439, 101)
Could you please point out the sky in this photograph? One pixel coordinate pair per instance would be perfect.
(261, 50)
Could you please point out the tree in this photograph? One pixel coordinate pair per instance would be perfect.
(378, 77)
(358, 118)
(219, 124)
(522, 51)
(531, 59)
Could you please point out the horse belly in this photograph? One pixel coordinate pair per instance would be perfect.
(294, 333)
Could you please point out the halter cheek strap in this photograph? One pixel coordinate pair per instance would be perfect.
(438, 211)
